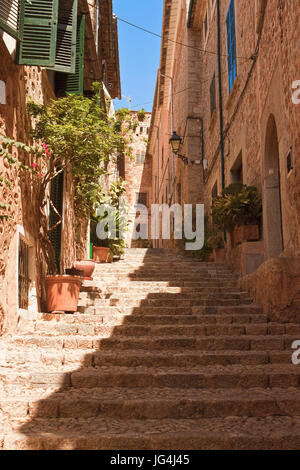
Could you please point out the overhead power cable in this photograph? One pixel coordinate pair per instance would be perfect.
(177, 42)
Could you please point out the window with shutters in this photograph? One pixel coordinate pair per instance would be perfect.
(73, 83)
(10, 11)
(65, 56)
(231, 45)
(48, 34)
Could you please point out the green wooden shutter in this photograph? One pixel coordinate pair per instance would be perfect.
(66, 36)
(38, 26)
(74, 82)
(10, 11)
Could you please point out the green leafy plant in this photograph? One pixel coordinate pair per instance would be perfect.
(117, 219)
(141, 115)
(8, 151)
(239, 205)
(216, 240)
(70, 134)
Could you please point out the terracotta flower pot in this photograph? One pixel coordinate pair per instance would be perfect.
(219, 255)
(246, 233)
(87, 266)
(62, 293)
(250, 233)
(100, 254)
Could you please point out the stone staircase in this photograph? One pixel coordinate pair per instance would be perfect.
(164, 353)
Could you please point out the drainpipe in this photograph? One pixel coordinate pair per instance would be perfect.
(172, 128)
(220, 95)
(221, 101)
(157, 182)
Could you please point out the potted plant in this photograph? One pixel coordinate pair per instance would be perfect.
(238, 211)
(77, 138)
(87, 267)
(114, 221)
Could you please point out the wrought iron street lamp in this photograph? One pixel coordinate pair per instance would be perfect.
(175, 142)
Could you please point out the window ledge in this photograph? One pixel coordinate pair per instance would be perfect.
(233, 93)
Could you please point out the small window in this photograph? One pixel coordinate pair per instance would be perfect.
(213, 95)
(139, 159)
(289, 162)
(236, 172)
(141, 198)
(231, 45)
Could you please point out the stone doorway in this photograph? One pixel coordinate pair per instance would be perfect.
(272, 193)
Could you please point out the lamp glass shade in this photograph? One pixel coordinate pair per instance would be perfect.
(175, 142)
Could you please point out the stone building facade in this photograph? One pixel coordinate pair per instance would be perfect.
(235, 67)
(20, 81)
(136, 170)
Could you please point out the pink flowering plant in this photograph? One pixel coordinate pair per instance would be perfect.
(72, 134)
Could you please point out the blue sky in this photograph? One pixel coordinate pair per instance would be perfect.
(139, 51)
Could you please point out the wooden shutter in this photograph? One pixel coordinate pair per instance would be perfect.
(74, 82)
(231, 44)
(66, 36)
(38, 27)
(10, 11)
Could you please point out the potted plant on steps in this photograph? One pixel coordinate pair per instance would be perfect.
(238, 211)
(109, 225)
(87, 267)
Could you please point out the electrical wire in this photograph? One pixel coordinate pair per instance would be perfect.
(177, 42)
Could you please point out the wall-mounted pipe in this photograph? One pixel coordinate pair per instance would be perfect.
(220, 95)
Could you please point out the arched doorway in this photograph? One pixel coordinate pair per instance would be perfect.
(272, 193)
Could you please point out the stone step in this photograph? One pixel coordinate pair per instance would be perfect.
(77, 358)
(230, 433)
(155, 276)
(91, 286)
(204, 377)
(213, 300)
(154, 403)
(140, 294)
(144, 310)
(225, 342)
(112, 330)
(153, 292)
(120, 319)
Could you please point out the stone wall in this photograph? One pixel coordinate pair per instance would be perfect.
(137, 173)
(261, 122)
